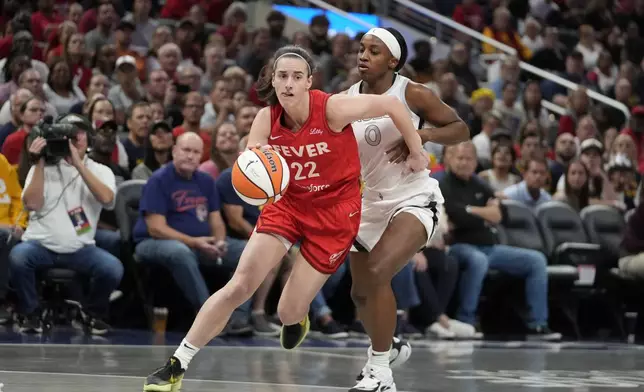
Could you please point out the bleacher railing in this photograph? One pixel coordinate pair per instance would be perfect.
(443, 23)
(438, 33)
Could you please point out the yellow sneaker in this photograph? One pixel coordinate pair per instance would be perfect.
(293, 335)
(165, 379)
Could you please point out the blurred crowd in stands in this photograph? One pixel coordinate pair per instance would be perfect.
(144, 74)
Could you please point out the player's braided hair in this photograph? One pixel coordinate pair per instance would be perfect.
(265, 90)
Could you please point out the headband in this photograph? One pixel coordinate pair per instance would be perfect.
(389, 40)
(292, 54)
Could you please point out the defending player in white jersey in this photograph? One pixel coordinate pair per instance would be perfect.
(399, 208)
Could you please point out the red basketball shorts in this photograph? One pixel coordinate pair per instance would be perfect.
(325, 233)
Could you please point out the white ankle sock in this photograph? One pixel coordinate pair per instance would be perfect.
(185, 352)
(379, 358)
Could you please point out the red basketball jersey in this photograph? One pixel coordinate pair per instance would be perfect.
(324, 165)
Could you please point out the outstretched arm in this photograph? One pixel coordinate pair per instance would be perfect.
(450, 128)
(343, 110)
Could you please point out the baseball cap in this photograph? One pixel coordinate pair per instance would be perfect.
(127, 59)
(590, 144)
(619, 162)
(109, 124)
(160, 124)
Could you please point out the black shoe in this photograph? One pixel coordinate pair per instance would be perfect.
(332, 330)
(90, 324)
(238, 326)
(165, 379)
(293, 335)
(405, 330)
(544, 334)
(31, 323)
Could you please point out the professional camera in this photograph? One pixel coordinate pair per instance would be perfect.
(58, 134)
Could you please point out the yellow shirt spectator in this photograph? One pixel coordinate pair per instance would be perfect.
(10, 196)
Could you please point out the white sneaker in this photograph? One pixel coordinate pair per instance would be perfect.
(399, 354)
(464, 330)
(376, 379)
(440, 332)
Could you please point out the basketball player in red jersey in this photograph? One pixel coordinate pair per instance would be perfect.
(312, 131)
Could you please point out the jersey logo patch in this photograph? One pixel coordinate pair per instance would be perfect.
(316, 131)
(372, 135)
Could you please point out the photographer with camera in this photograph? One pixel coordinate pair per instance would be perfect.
(64, 193)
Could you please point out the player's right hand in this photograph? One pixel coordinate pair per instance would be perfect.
(417, 161)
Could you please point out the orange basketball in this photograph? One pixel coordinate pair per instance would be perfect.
(260, 176)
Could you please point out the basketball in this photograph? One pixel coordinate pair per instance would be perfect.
(260, 177)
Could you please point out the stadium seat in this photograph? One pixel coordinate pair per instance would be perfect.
(521, 229)
(605, 227)
(55, 307)
(564, 235)
(126, 210)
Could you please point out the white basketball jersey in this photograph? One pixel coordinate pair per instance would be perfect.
(375, 137)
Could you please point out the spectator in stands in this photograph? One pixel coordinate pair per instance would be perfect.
(184, 37)
(532, 35)
(421, 62)
(472, 208)
(123, 42)
(233, 28)
(190, 76)
(276, 22)
(100, 110)
(98, 86)
(579, 106)
(530, 191)
(623, 93)
(30, 80)
(319, 35)
(17, 99)
(63, 32)
(531, 147)
(12, 224)
(503, 31)
(220, 107)
(102, 34)
(530, 106)
(565, 152)
(158, 111)
(586, 129)
(31, 112)
(604, 74)
(623, 145)
(23, 43)
(60, 89)
(244, 117)
(180, 226)
(631, 262)
(459, 65)
(105, 63)
(128, 91)
(511, 114)
(450, 94)
(334, 63)
(573, 71)
(469, 14)
(45, 20)
(552, 55)
(162, 35)
(621, 174)
(103, 145)
(500, 177)
(144, 24)
(63, 236)
(74, 54)
(216, 63)
(159, 88)
(193, 109)
(509, 73)
(609, 139)
(575, 192)
(74, 13)
(482, 101)
(482, 142)
(17, 63)
(224, 151)
(588, 46)
(138, 119)
(436, 282)
(635, 129)
(157, 153)
(169, 58)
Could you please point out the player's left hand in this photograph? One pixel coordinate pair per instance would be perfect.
(417, 161)
(74, 157)
(398, 153)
